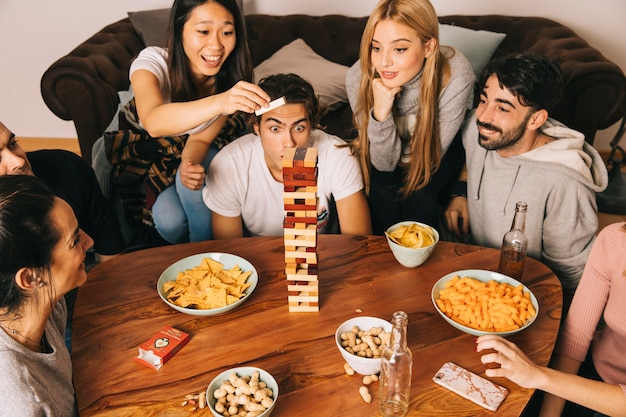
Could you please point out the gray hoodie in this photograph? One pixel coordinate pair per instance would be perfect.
(559, 182)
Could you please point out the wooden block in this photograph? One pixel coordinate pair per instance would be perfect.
(301, 257)
(303, 298)
(291, 236)
(305, 195)
(308, 288)
(301, 213)
(300, 170)
(310, 158)
(300, 176)
(292, 243)
(305, 157)
(308, 201)
(313, 308)
(291, 268)
(301, 187)
(299, 183)
(288, 157)
(291, 221)
(300, 206)
(308, 230)
(301, 275)
(309, 262)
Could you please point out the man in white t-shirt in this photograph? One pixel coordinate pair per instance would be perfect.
(244, 185)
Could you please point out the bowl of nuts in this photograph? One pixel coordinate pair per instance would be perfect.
(246, 389)
(361, 340)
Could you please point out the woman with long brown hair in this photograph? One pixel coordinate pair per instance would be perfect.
(409, 98)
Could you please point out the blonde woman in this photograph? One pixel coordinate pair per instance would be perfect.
(409, 96)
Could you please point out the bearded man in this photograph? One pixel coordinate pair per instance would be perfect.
(516, 152)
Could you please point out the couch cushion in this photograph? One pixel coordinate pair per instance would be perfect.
(476, 45)
(151, 25)
(326, 77)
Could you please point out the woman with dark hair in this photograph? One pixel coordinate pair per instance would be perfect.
(409, 96)
(42, 253)
(190, 88)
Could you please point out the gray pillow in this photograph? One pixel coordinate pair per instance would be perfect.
(151, 25)
(326, 77)
(476, 45)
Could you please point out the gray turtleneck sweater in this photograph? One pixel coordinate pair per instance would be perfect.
(389, 138)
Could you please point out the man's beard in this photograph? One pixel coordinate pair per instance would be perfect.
(507, 139)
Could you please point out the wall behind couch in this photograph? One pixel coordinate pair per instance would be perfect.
(35, 33)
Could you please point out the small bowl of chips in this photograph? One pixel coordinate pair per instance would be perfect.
(412, 242)
(480, 302)
(207, 284)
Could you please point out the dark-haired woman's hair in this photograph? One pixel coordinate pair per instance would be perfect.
(27, 233)
(296, 90)
(535, 80)
(237, 67)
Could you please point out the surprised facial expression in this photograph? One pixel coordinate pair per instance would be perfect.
(287, 126)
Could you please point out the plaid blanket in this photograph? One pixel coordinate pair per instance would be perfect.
(144, 166)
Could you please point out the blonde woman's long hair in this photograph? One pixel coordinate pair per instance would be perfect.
(425, 147)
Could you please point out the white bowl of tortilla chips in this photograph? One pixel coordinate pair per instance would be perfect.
(412, 242)
(207, 284)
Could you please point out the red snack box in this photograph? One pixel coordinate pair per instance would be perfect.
(161, 347)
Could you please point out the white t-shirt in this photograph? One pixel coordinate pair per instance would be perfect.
(239, 183)
(154, 59)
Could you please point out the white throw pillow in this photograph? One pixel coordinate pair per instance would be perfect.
(326, 77)
(478, 46)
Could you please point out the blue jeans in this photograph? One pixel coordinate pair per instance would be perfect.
(179, 214)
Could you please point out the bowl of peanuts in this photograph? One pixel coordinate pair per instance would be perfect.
(481, 302)
(245, 390)
(360, 341)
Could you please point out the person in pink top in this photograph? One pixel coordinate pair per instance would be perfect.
(594, 334)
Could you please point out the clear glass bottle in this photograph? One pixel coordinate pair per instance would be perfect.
(514, 245)
(395, 370)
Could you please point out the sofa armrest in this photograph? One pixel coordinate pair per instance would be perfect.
(594, 87)
(82, 86)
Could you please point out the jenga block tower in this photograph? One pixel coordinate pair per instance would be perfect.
(300, 225)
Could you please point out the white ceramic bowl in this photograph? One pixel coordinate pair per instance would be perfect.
(242, 371)
(485, 276)
(229, 261)
(411, 257)
(363, 366)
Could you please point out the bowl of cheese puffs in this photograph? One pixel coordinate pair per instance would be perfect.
(481, 302)
(411, 242)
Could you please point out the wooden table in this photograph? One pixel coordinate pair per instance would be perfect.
(119, 308)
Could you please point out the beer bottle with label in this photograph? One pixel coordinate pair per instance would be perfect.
(514, 245)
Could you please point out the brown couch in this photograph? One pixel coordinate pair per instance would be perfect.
(82, 86)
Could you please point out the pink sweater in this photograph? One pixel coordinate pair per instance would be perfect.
(601, 288)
